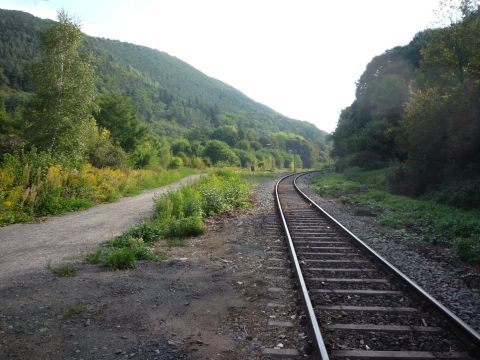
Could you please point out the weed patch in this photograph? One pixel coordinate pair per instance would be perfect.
(76, 309)
(189, 226)
(121, 259)
(63, 270)
(175, 242)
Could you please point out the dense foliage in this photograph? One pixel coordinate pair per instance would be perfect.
(417, 111)
(150, 109)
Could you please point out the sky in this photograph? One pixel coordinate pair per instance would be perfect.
(299, 57)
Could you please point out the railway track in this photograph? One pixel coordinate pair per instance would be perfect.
(358, 306)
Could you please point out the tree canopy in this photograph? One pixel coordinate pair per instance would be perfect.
(64, 86)
(417, 110)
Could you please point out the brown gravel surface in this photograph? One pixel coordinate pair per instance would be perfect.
(28, 248)
(207, 301)
(451, 281)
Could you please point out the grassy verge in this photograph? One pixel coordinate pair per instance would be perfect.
(29, 191)
(177, 215)
(414, 219)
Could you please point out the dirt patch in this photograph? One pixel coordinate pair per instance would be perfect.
(208, 301)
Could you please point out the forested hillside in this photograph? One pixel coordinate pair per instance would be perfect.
(154, 106)
(417, 113)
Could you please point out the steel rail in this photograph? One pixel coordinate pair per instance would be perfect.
(319, 349)
(468, 335)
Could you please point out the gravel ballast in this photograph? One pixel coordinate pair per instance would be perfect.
(438, 275)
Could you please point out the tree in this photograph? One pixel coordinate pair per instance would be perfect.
(181, 146)
(102, 152)
(247, 158)
(226, 133)
(452, 54)
(63, 81)
(218, 151)
(120, 117)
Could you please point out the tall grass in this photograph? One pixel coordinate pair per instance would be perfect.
(418, 219)
(30, 189)
(181, 213)
(177, 215)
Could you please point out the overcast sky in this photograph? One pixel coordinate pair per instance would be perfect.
(299, 57)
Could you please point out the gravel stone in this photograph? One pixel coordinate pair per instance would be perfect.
(423, 263)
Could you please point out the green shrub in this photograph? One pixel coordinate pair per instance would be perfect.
(469, 249)
(147, 231)
(64, 270)
(140, 249)
(95, 257)
(121, 259)
(176, 163)
(189, 226)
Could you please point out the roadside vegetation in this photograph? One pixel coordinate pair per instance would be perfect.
(415, 219)
(32, 185)
(63, 270)
(178, 215)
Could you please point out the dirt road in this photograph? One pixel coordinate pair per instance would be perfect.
(26, 248)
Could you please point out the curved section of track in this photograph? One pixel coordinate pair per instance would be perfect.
(358, 305)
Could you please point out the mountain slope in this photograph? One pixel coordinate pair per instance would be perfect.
(171, 95)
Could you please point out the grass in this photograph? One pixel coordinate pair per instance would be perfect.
(416, 219)
(63, 270)
(123, 251)
(176, 242)
(32, 188)
(73, 310)
(178, 215)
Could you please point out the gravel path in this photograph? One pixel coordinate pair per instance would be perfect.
(29, 247)
(435, 275)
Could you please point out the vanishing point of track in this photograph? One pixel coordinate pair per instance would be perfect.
(358, 306)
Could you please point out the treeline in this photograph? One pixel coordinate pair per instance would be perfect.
(417, 112)
(149, 109)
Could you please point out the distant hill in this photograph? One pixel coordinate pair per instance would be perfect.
(171, 95)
